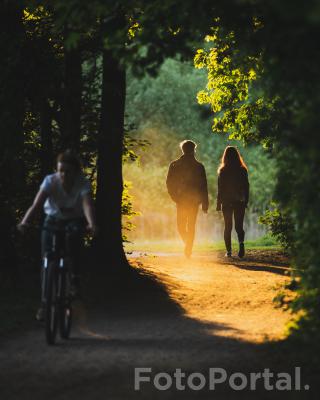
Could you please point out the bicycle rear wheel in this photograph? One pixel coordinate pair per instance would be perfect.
(51, 308)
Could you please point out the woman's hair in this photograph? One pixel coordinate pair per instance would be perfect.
(231, 158)
(70, 157)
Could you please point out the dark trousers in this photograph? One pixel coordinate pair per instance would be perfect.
(74, 239)
(229, 210)
(186, 222)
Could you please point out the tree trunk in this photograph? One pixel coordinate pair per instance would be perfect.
(12, 108)
(72, 104)
(46, 138)
(12, 98)
(109, 163)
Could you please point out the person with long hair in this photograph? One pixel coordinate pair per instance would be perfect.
(233, 195)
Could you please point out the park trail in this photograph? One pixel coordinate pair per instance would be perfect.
(171, 313)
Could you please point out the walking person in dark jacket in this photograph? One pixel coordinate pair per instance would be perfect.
(187, 186)
(233, 195)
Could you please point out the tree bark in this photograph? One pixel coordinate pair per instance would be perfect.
(109, 163)
(12, 99)
(46, 138)
(72, 104)
(12, 108)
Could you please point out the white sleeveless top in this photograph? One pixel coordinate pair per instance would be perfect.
(63, 205)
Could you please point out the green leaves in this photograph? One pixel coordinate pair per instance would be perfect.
(280, 225)
(230, 91)
(263, 85)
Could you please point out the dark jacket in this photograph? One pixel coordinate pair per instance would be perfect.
(187, 181)
(233, 186)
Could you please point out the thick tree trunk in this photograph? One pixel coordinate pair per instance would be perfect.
(12, 98)
(12, 107)
(109, 176)
(47, 163)
(72, 104)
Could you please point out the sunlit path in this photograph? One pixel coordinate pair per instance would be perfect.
(210, 288)
(168, 313)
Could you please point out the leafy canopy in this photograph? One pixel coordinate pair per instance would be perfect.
(240, 107)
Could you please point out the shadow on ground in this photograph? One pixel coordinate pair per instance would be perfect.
(128, 320)
(259, 260)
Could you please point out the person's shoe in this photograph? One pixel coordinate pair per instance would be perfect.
(40, 314)
(228, 254)
(241, 250)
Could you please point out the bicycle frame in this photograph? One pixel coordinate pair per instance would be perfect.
(55, 285)
(58, 254)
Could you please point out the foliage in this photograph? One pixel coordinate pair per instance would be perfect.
(132, 148)
(240, 108)
(264, 85)
(278, 107)
(165, 111)
(127, 211)
(33, 74)
(280, 225)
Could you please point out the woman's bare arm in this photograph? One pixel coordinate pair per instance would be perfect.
(36, 207)
(89, 212)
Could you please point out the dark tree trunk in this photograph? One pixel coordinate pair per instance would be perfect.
(12, 107)
(12, 98)
(72, 104)
(46, 138)
(109, 164)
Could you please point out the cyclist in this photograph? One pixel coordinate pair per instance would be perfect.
(66, 199)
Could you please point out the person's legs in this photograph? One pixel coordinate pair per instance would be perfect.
(227, 215)
(75, 230)
(46, 246)
(239, 212)
(46, 235)
(75, 244)
(182, 218)
(192, 213)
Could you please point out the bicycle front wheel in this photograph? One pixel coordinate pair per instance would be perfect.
(65, 309)
(51, 309)
(65, 321)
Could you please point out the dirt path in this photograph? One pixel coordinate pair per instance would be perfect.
(195, 314)
(236, 294)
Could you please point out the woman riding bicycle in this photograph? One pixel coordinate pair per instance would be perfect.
(67, 201)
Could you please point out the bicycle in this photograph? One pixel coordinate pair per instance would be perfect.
(56, 286)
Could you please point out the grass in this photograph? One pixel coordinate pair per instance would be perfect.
(264, 243)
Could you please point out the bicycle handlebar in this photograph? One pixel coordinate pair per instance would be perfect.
(52, 229)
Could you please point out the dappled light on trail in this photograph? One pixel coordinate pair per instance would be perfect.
(167, 312)
(238, 294)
